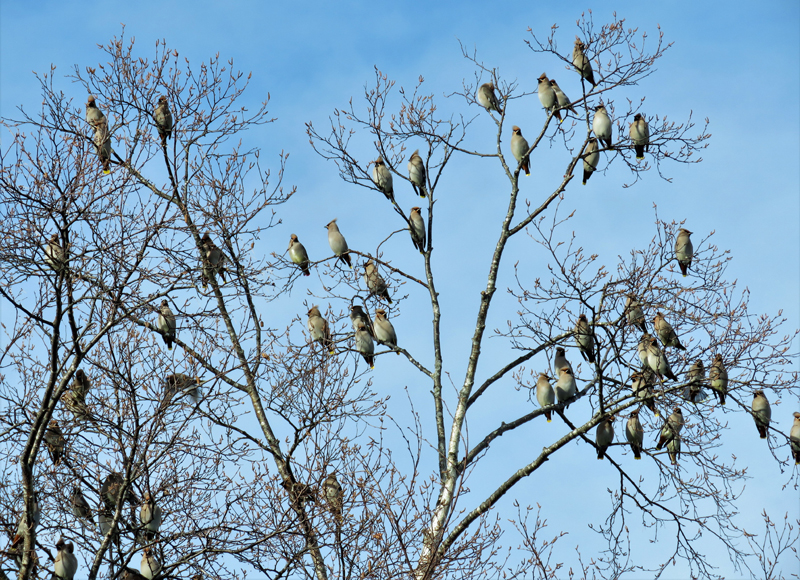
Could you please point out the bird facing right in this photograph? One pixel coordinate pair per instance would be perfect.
(519, 147)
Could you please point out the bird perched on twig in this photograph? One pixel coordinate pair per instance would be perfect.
(54, 254)
(384, 330)
(417, 229)
(794, 439)
(591, 157)
(601, 125)
(365, 345)
(298, 255)
(212, 258)
(604, 436)
(635, 434)
(718, 375)
(334, 496)
(762, 414)
(565, 388)
(375, 282)
(684, 251)
(519, 147)
(666, 333)
(166, 324)
(150, 516)
(581, 62)
(382, 178)
(163, 118)
(55, 442)
(657, 361)
(319, 329)
(545, 394)
(584, 337)
(563, 100)
(634, 313)
(338, 244)
(640, 135)
(80, 507)
(416, 174)
(488, 99)
(547, 96)
(672, 428)
(66, 563)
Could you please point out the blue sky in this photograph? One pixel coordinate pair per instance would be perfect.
(738, 64)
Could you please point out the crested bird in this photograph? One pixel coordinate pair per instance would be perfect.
(634, 313)
(382, 178)
(560, 361)
(319, 330)
(604, 436)
(163, 118)
(488, 99)
(150, 517)
(672, 428)
(338, 244)
(666, 333)
(640, 135)
(582, 64)
(66, 563)
(695, 379)
(334, 496)
(643, 391)
(547, 96)
(417, 229)
(545, 395)
(298, 255)
(358, 317)
(166, 324)
(601, 125)
(684, 251)
(365, 345)
(591, 158)
(794, 439)
(54, 255)
(565, 388)
(519, 147)
(718, 376)
(657, 361)
(563, 100)
(761, 413)
(384, 331)
(212, 258)
(55, 442)
(375, 282)
(416, 174)
(635, 434)
(585, 339)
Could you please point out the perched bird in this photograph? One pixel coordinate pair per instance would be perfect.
(635, 434)
(417, 229)
(365, 346)
(55, 442)
(666, 333)
(26, 523)
(545, 394)
(166, 324)
(585, 339)
(384, 331)
(416, 174)
(80, 507)
(604, 436)
(640, 135)
(519, 147)
(298, 255)
(163, 118)
(375, 282)
(642, 349)
(581, 63)
(338, 244)
(563, 100)
(565, 388)
(684, 250)
(150, 565)
(695, 379)
(131, 574)
(547, 96)
(105, 521)
(81, 385)
(671, 429)
(383, 179)
(601, 125)
(334, 496)
(213, 259)
(657, 361)
(634, 313)
(54, 255)
(560, 361)
(75, 398)
(794, 439)
(319, 330)
(102, 147)
(66, 563)
(150, 516)
(590, 159)
(488, 99)
(181, 384)
(674, 450)
(718, 376)
(110, 489)
(359, 317)
(643, 391)
(94, 116)
(761, 413)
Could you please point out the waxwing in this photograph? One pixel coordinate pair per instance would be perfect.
(684, 251)
(585, 339)
(384, 331)
(319, 329)
(338, 244)
(640, 135)
(604, 436)
(601, 125)
(382, 178)
(163, 119)
(545, 394)
(761, 413)
(166, 324)
(666, 333)
(365, 345)
(581, 62)
(590, 159)
(298, 255)
(488, 99)
(417, 228)
(718, 376)
(334, 496)
(635, 434)
(416, 174)
(375, 282)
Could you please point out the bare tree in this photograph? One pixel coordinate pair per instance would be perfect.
(141, 334)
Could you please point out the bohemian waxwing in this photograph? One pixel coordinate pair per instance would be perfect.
(166, 324)
(545, 394)
(338, 244)
(519, 147)
(298, 255)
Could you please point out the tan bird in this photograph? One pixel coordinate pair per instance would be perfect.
(150, 565)
(488, 99)
(94, 116)
(591, 157)
(179, 384)
(640, 135)
(672, 428)
(581, 62)
(601, 125)
(545, 394)
(634, 313)
(150, 517)
(666, 333)
(695, 379)
(563, 100)
(604, 436)
(547, 96)
(319, 330)
(417, 228)
(80, 507)
(338, 244)
(585, 339)
(643, 391)
(565, 388)
(54, 255)
(382, 178)
(718, 376)
(560, 361)
(519, 147)
(359, 317)
(212, 258)
(375, 282)
(416, 174)
(684, 251)
(163, 119)
(384, 331)
(365, 345)
(166, 324)
(75, 398)
(55, 442)
(102, 147)
(642, 349)
(334, 496)
(635, 434)
(66, 563)
(298, 255)
(657, 361)
(794, 439)
(674, 450)
(761, 413)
